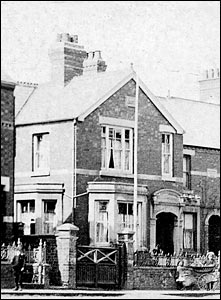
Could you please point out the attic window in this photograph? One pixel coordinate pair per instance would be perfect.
(130, 101)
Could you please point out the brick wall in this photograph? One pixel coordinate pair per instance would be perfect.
(7, 155)
(154, 278)
(7, 276)
(207, 187)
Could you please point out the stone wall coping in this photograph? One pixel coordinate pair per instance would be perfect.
(153, 268)
(67, 227)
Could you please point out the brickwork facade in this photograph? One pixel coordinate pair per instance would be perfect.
(88, 142)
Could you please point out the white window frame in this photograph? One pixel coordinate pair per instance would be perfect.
(186, 171)
(170, 153)
(105, 149)
(128, 219)
(45, 222)
(98, 240)
(121, 225)
(37, 153)
(188, 231)
(27, 216)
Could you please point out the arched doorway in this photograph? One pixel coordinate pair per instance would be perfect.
(165, 232)
(214, 234)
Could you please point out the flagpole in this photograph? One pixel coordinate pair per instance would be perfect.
(135, 162)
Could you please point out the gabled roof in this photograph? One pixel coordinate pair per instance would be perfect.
(80, 97)
(200, 120)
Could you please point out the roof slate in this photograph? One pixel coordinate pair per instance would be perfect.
(200, 120)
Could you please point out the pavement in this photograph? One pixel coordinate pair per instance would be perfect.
(56, 293)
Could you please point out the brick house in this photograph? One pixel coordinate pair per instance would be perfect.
(7, 155)
(75, 157)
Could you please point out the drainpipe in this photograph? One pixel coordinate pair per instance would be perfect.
(74, 166)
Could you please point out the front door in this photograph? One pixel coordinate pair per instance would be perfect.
(214, 234)
(165, 232)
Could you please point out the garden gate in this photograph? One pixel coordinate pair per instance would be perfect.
(101, 266)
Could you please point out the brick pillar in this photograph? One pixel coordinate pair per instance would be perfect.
(66, 244)
(127, 237)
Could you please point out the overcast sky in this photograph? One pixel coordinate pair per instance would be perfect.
(169, 42)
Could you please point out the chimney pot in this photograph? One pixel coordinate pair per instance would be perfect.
(90, 55)
(97, 55)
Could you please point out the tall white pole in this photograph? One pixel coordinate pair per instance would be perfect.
(135, 162)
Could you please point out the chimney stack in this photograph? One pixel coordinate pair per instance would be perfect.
(94, 63)
(210, 86)
(67, 58)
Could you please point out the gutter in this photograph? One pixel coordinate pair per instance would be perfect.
(74, 166)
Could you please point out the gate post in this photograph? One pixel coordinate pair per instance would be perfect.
(126, 236)
(66, 245)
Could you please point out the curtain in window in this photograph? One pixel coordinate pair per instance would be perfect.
(102, 222)
(188, 231)
(117, 153)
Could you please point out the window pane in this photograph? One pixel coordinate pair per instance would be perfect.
(111, 133)
(41, 151)
(188, 239)
(166, 163)
(130, 209)
(188, 221)
(102, 221)
(122, 208)
(32, 206)
(127, 134)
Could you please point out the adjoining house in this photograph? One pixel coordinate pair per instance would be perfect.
(7, 155)
(75, 156)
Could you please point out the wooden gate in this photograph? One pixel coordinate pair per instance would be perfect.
(101, 267)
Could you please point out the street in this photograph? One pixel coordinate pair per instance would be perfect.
(123, 294)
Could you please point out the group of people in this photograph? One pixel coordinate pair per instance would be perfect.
(185, 277)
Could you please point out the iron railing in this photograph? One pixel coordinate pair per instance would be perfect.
(147, 258)
(32, 255)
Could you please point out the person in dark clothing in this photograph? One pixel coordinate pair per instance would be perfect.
(18, 265)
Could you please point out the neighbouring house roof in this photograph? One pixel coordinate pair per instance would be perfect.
(50, 102)
(200, 120)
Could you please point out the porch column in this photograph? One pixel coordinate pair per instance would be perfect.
(66, 245)
(127, 237)
(180, 235)
(206, 238)
(152, 233)
(176, 236)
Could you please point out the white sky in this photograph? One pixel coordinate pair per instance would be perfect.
(169, 42)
